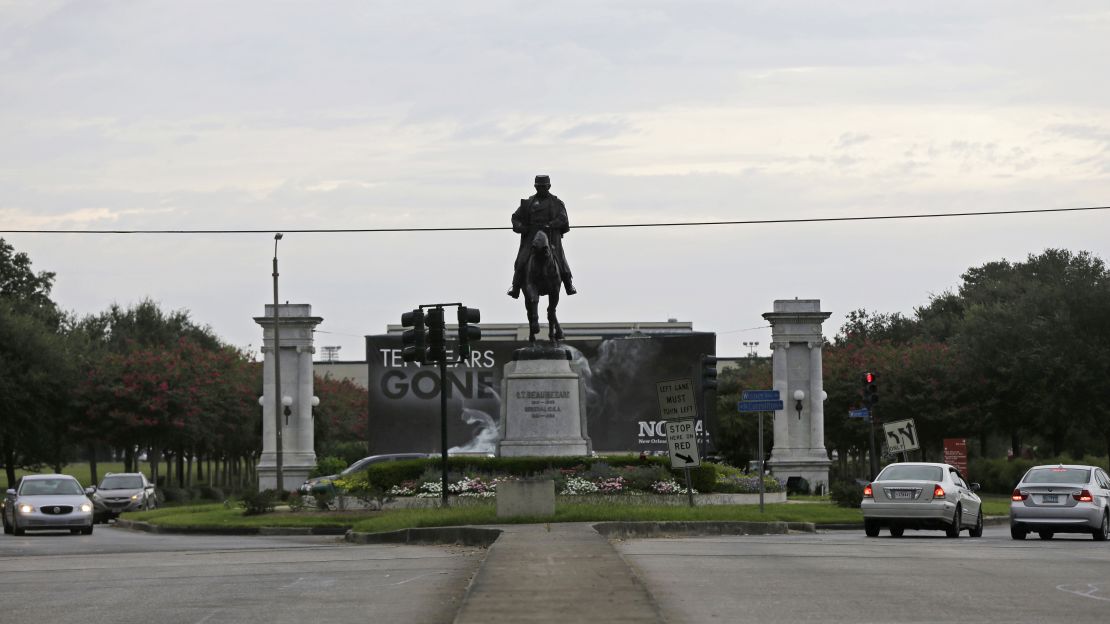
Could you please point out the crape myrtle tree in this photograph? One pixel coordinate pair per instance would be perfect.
(163, 384)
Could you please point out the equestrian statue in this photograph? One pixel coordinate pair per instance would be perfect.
(541, 266)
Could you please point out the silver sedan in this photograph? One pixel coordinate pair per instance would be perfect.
(47, 503)
(1061, 499)
(919, 495)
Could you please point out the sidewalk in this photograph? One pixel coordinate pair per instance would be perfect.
(557, 573)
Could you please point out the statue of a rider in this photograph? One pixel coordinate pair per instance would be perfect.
(542, 211)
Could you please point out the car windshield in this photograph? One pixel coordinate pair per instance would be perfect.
(48, 487)
(121, 482)
(1075, 476)
(911, 473)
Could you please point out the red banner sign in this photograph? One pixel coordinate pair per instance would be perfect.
(955, 453)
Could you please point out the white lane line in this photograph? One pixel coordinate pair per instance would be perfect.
(1088, 592)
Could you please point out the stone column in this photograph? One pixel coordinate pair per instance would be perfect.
(295, 324)
(779, 382)
(816, 402)
(796, 340)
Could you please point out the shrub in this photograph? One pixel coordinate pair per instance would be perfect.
(735, 481)
(207, 492)
(175, 495)
(296, 502)
(797, 485)
(328, 466)
(257, 503)
(702, 479)
(846, 493)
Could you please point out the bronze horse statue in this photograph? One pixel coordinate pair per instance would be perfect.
(541, 277)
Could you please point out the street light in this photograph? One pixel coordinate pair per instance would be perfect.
(799, 395)
(751, 348)
(287, 401)
(280, 485)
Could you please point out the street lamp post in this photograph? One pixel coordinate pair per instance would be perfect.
(277, 376)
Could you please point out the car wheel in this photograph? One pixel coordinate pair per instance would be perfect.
(1045, 535)
(87, 530)
(7, 527)
(870, 528)
(1100, 534)
(953, 530)
(897, 531)
(977, 530)
(16, 529)
(1017, 532)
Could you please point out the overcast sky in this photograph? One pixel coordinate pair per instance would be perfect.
(298, 115)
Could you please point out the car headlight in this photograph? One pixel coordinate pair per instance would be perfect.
(136, 497)
(86, 507)
(25, 508)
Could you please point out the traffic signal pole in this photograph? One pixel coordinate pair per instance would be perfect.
(874, 454)
(425, 343)
(443, 425)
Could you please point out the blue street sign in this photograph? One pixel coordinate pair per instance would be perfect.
(760, 395)
(859, 413)
(759, 406)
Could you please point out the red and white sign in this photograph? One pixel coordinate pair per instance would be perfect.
(955, 453)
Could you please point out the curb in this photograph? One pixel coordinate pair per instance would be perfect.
(987, 521)
(461, 535)
(147, 527)
(627, 530)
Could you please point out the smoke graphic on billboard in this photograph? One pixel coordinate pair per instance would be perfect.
(485, 439)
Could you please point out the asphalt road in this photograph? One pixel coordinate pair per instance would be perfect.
(119, 576)
(843, 576)
(122, 576)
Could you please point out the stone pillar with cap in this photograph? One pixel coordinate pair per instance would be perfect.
(296, 325)
(799, 448)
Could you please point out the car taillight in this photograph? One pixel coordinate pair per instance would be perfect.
(938, 492)
(1083, 497)
(1018, 496)
(867, 493)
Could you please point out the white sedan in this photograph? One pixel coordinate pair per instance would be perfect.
(920, 495)
(48, 503)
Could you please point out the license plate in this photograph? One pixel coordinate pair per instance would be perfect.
(1050, 498)
(903, 493)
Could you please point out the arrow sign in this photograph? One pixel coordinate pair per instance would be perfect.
(760, 395)
(759, 406)
(682, 442)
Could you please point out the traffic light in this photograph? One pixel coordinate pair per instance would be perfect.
(468, 332)
(708, 372)
(870, 388)
(437, 335)
(414, 349)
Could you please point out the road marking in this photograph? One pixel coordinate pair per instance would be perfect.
(1090, 591)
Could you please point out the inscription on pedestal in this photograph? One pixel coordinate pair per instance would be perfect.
(542, 403)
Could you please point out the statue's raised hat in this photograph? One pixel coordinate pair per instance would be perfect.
(542, 179)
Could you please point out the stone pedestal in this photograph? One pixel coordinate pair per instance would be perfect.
(796, 342)
(543, 410)
(295, 326)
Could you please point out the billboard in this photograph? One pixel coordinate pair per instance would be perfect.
(619, 374)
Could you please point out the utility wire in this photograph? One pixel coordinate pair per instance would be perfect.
(985, 213)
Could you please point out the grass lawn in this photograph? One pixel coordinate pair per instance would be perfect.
(216, 515)
(81, 471)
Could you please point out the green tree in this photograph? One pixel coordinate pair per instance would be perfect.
(34, 397)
